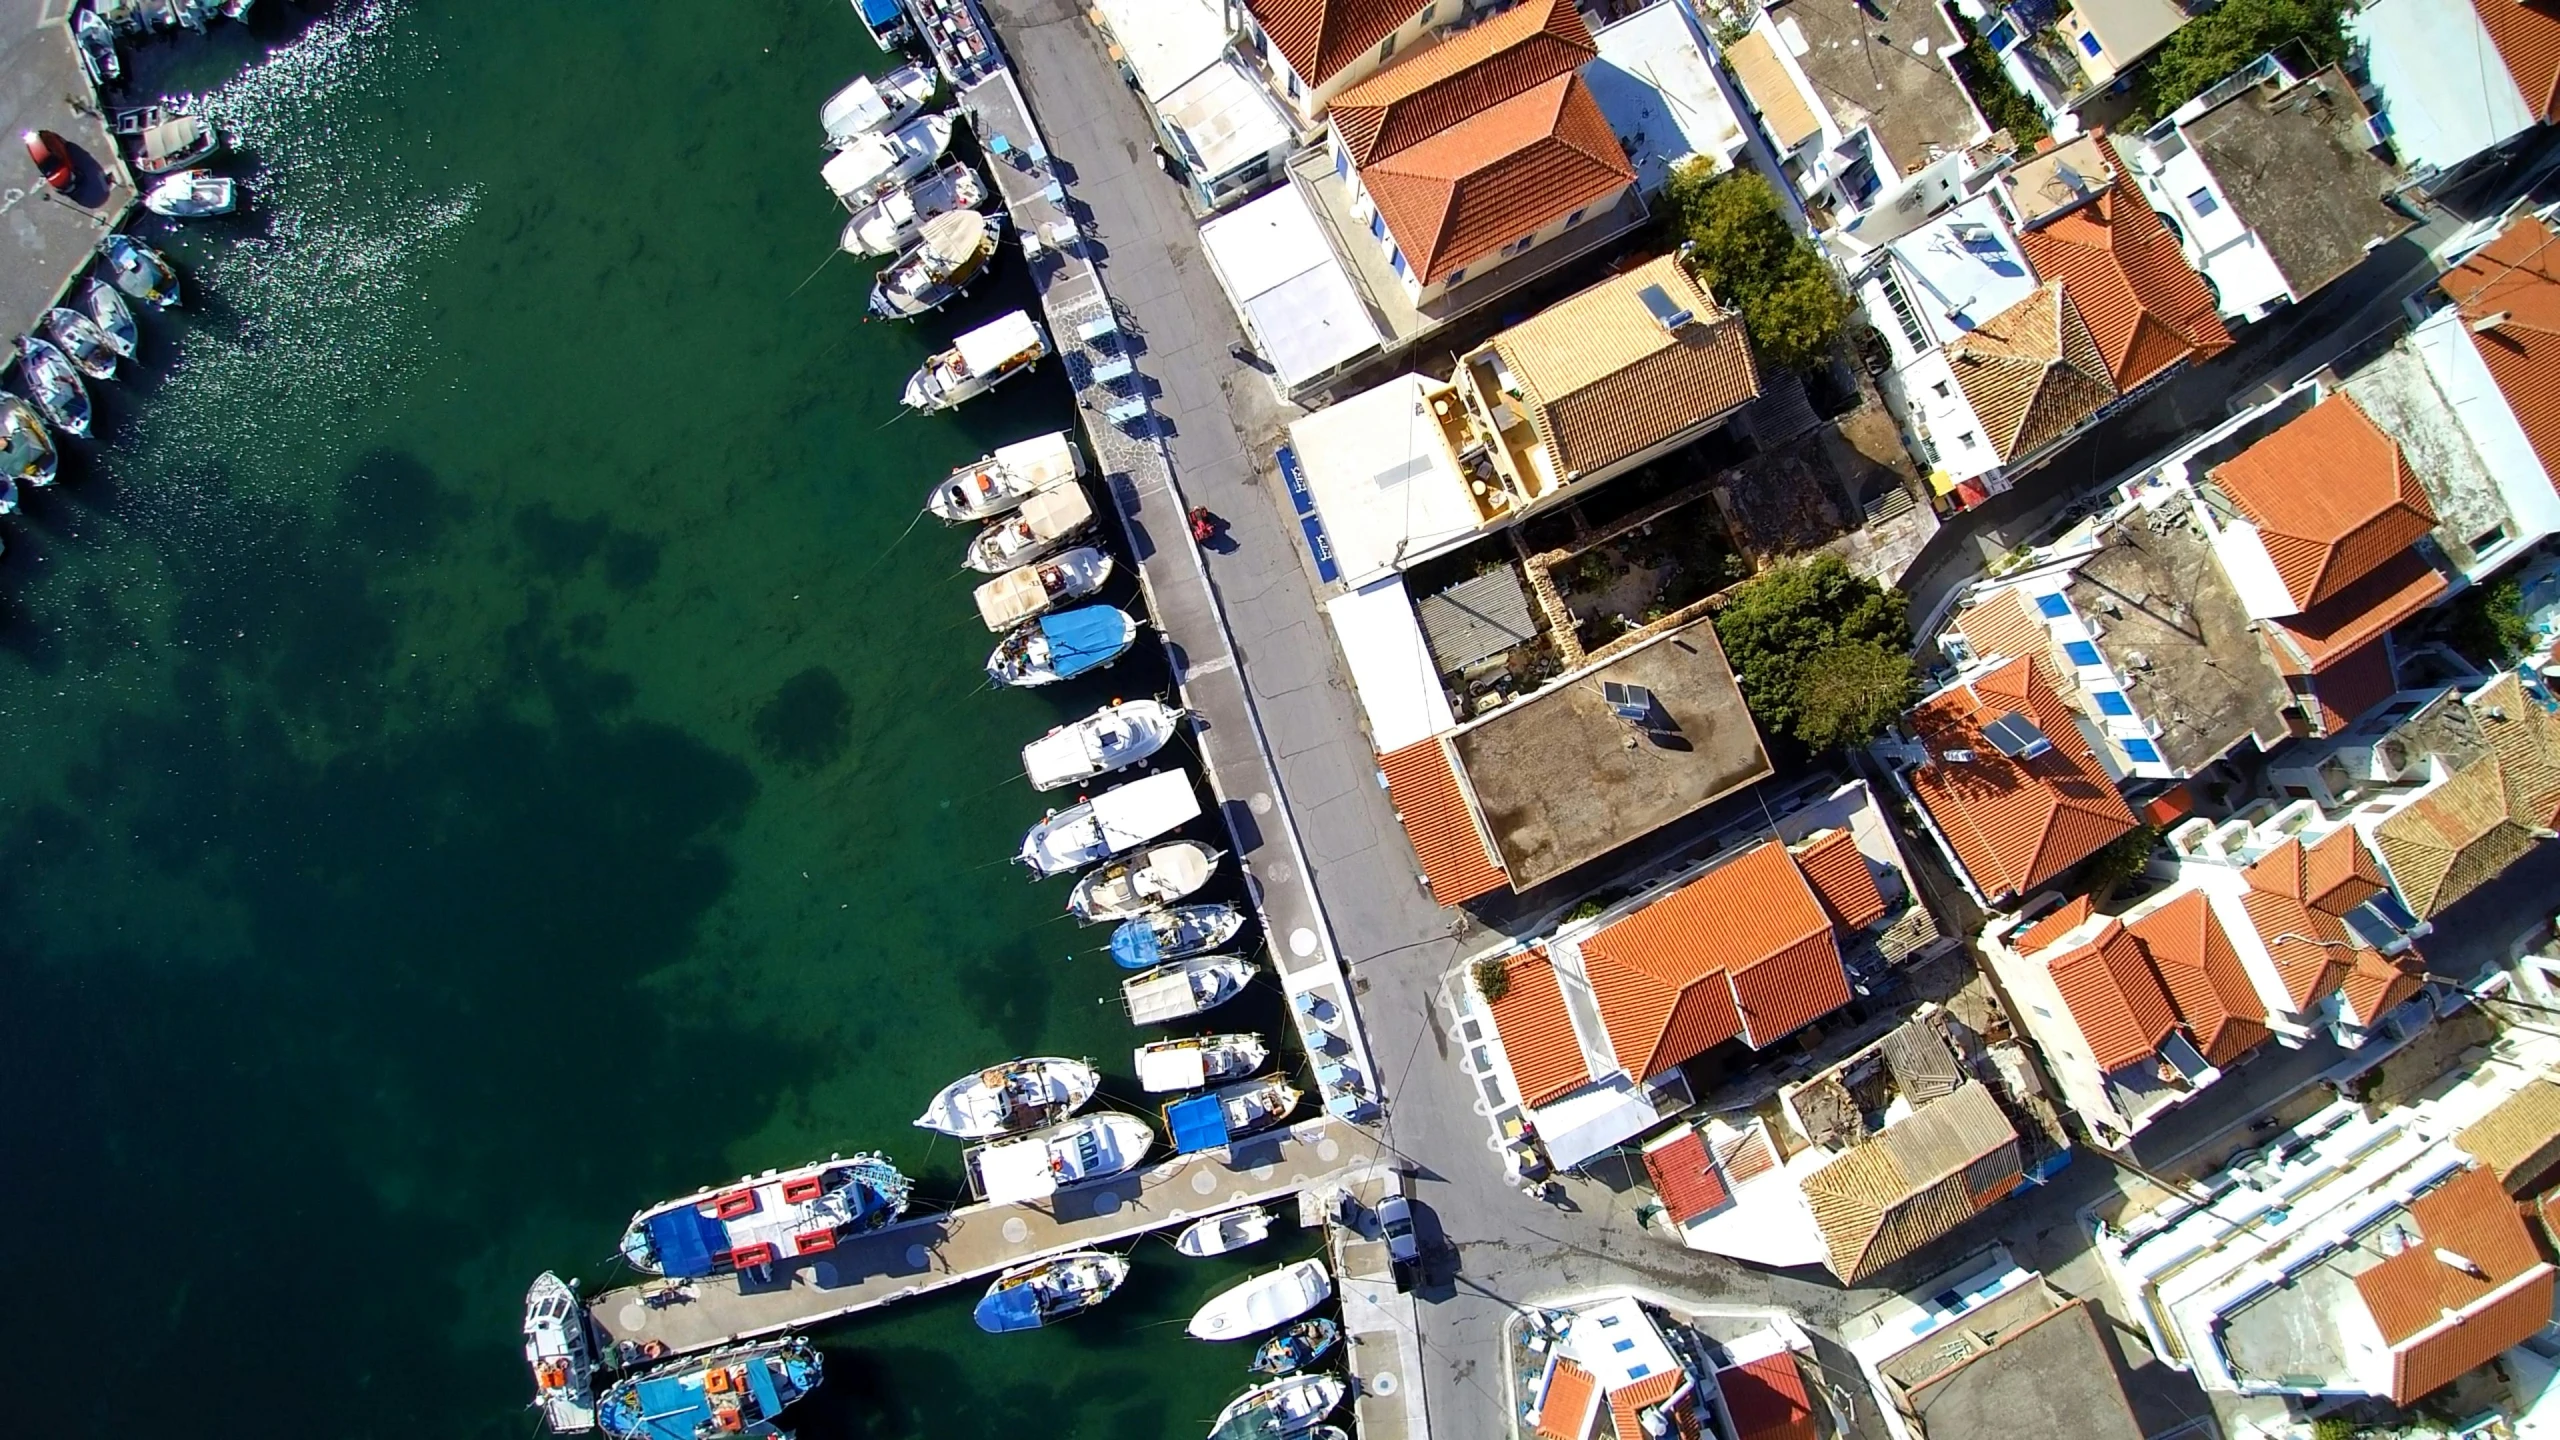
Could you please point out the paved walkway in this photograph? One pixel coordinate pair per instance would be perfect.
(49, 238)
(923, 1255)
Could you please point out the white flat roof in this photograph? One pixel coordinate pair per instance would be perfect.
(1962, 268)
(1391, 667)
(1166, 42)
(1228, 118)
(1383, 479)
(1655, 83)
(1594, 1119)
(2444, 89)
(1278, 269)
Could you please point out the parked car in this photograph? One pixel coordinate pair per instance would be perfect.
(1395, 1226)
(52, 155)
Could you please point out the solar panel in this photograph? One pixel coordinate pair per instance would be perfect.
(2016, 736)
(1666, 311)
(1630, 702)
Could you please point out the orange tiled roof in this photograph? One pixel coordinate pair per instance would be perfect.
(2062, 921)
(2031, 373)
(1840, 875)
(2517, 276)
(1747, 1155)
(1627, 1402)
(2014, 824)
(1566, 1410)
(2337, 628)
(2333, 877)
(1431, 90)
(1502, 173)
(1422, 783)
(2201, 972)
(2124, 271)
(1767, 1399)
(2114, 998)
(2354, 683)
(2332, 497)
(1684, 1177)
(2373, 985)
(1320, 37)
(1785, 992)
(2468, 1215)
(2311, 951)
(1537, 1034)
(2003, 627)
(2527, 35)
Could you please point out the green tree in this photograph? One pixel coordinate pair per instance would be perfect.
(2488, 624)
(2230, 35)
(2124, 858)
(2002, 103)
(1743, 250)
(1820, 651)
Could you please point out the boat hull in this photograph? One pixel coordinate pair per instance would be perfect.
(1048, 1291)
(1006, 1099)
(1157, 875)
(559, 1347)
(1006, 479)
(685, 1398)
(766, 1218)
(1224, 1234)
(1177, 933)
(1267, 1300)
(1184, 988)
(53, 382)
(113, 317)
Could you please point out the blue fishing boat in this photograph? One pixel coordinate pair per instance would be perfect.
(1173, 934)
(887, 21)
(776, 1216)
(140, 271)
(1062, 646)
(729, 1392)
(1058, 1288)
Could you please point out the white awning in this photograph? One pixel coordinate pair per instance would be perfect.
(985, 349)
(1015, 1170)
(1593, 1119)
(1283, 276)
(1166, 1070)
(1390, 666)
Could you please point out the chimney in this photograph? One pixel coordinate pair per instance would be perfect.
(2487, 323)
(2461, 1262)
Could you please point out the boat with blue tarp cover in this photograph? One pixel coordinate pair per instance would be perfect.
(1058, 1288)
(1062, 646)
(1223, 1116)
(887, 21)
(761, 1219)
(1173, 934)
(728, 1392)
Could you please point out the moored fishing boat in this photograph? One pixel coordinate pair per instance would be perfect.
(192, 195)
(1177, 933)
(1157, 875)
(1041, 586)
(869, 104)
(561, 1350)
(1301, 1345)
(1017, 1095)
(79, 337)
(1042, 524)
(1285, 1409)
(946, 259)
(112, 316)
(1197, 1060)
(887, 21)
(140, 271)
(53, 382)
(977, 362)
(26, 451)
(1044, 1291)
(1252, 1306)
(1226, 1231)
(892, 222)
(741, 1391)
(1006, 478)
(97, 47)
(1062, 646)
(1181, 989)
(1119, 819)
(769, 1217)
(874, 165)
(1114, 737)
(1248, 1108)
(1059, 1157)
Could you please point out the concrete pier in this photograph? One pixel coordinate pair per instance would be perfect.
(934, 1252)
(50, 238)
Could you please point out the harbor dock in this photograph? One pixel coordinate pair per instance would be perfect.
(51, 237)
(974, 1242)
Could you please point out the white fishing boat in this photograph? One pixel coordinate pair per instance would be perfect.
(1117, 820)
(763, 1218)
(946, 259)
(1061, 1157)
(53, 382)
(977, 362)
(1254, 1106)
(191, 195)
(561, 1350)
(1197, 1060)
(1273, 1298)
(1157, 875)
(1224, 1232)
(79, 337)
(97, 47)
(873, 165)
(1180, 989)
(1042, 524)
(872, 103)
(887, 21)
(1114, 737)
(1289, 1408)
(1017, 1095)
(1041, 586)
(1176, 933)
(112, 316)
(1006, 478)
(163, 141)
(26, 451)
(1061, 646)
(892, 222)
(1045, 1291)
(140, 271)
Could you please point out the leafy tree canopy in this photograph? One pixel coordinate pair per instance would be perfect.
(1821, 652)
(1750, 258)
(2231, 35)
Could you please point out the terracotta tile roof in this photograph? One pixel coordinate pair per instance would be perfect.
(2469, 1216)
(2526, 738)
(1841, 876)
(1916, 1181)
(1319, 37)
(2354, 683)
(2527, 35)
(2031, 372)
(1431, 90)
(1771, 91)
(2519, 1138)
(1747, 1155)
(2062, 921)
(2114, 998)
(1627, 1402)
(2333, 877)
(2454, 839)
(2014, 824)
(1502, 173)
(1767, 1399)
(2365, 611)
(1537, 1034)
(1787, 991)
(1565, 1412)
(2003, 627)
(2311, 951)
(2331, 495)
(2124, 270)
(2208, 989)
(1684, 1177)
(2374, 984)
(2517, 276)
(1422, 783)
(1603, 380)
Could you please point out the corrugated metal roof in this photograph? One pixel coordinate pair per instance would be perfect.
(1476, 618)
(1422, 783)
(1921, 1062)
(1537, 1033)
(2331, 495)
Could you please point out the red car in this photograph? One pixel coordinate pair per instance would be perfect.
(52, 156)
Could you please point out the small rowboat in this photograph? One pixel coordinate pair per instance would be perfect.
(1221, 1233)
(1297, 1347)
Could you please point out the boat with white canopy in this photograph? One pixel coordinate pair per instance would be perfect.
(1114, 737)
(1185, 988)
(1060, 1157)
(1157, 875)
(1041, 586)
(1119, 819)
(870, 104)
(1197, 1060)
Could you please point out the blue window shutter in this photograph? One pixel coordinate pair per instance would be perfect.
(1377, 225)
(2088, 43)
(2142, 751)
(2112, 702)
(2052, 607)
(1341, 162)
(2081, 652)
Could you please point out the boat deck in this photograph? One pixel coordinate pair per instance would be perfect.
(934, 1252)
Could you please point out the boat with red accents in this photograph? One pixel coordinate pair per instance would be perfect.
(767, 1218)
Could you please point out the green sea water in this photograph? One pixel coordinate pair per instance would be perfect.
(485, 752)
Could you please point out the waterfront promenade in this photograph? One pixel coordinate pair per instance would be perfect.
(48, 238)
(933, 1252)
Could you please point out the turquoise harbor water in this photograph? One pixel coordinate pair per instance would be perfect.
(482, 756)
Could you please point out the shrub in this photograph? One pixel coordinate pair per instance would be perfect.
(2002, 103)
(1743, 250)
(2230, 35)
(2488, 624)
(1492, 976)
